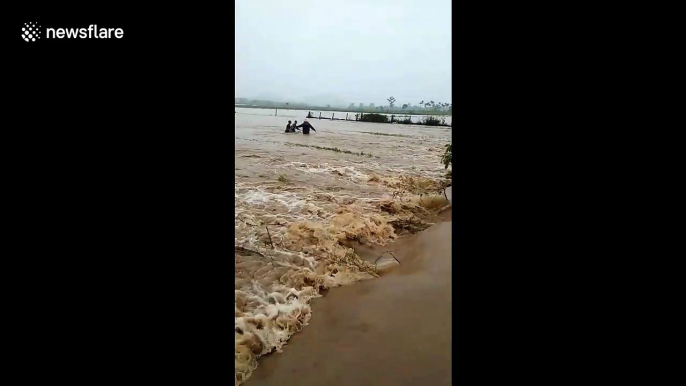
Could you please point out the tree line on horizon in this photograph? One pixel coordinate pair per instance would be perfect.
(423, 106)
(429, 106)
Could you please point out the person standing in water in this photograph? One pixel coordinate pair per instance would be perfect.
(306, 127)
(288, 127)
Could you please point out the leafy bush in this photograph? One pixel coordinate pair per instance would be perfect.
(447, 158)
(377, 118)
(432, 121)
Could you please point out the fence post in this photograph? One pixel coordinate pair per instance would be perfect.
(320, 115)
(346, 116)
(276, 112)
(332, 114)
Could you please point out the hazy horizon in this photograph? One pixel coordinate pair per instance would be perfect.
(342, 52)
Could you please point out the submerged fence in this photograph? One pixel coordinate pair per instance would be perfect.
(440, 120)
(384, 118)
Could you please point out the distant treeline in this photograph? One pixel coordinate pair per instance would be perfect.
(253, 104)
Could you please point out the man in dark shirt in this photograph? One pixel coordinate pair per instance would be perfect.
(288, 127)
(306, 127)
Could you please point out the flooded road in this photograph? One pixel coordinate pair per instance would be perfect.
(307, 206)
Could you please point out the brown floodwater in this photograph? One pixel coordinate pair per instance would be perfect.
(312, 211)
(391, 331)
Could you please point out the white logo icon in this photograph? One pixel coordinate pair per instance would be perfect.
(30, 32)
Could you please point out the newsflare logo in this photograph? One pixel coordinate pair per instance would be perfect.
(30, 32)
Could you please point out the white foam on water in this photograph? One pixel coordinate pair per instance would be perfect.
(290, 234)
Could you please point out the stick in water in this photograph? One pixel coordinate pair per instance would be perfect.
(270, 237)
(389, 252)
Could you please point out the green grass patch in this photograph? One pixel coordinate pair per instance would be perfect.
(388, 135)
(334, 149)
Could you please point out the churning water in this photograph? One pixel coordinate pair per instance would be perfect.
(305, 203)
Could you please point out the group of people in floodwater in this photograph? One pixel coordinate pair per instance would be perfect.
(306, 126)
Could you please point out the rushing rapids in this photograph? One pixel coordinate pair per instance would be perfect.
(304, 203)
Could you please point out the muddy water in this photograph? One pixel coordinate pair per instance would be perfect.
(308, 206)
(392, 331)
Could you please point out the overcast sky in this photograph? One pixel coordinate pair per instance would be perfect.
(344, 51)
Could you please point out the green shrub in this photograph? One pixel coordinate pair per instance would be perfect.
(432, 121)
(447, 158)
(377, 118)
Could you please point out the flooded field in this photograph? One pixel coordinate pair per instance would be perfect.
(326, 114)
(308, 206)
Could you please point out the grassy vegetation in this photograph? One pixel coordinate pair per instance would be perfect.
(406, 121)
(433, 121)
(382, 118)
(373, 117)
(334, 149)
(388, 135)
